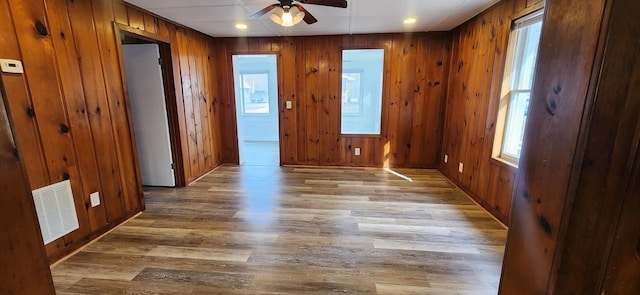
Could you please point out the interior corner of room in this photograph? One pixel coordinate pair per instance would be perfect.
(532, 114)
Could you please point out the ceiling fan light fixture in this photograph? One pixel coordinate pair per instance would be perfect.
(287, 16)
(298, 17)
(276, 18)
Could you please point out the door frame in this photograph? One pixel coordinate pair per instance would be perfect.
(173, 116)
(280, 108)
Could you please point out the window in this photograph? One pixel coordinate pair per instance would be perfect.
(361, 91)
(351, 91)
(255, 93)
(516, 89)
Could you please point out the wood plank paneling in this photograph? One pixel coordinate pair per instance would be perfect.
(136, 18)
(197, 97)
(72, 109)
(21, 108)
(604, 196)
(67, 56)
(310, 98)
(22, 256)
(179, 99)
(121, 122)
(288, 92)
(623, 266)
(120, 13)
(100, 117)
(557, 109)
(475, 79)
(215, 112)
(149, 23)
(187, 95)
(310, 131)
(55, 134)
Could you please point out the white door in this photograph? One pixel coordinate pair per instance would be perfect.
(146, 94)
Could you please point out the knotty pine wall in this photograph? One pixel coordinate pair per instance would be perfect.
(196, 90)
(572, 229)
(475, 79)
(71, 110)
(22, 256)
(414, 84)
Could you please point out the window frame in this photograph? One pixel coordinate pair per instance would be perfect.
(244, 111)
(508, 92)
(362, 73)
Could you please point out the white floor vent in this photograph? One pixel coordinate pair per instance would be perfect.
(56, 210)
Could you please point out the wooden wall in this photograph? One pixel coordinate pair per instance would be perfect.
(623, 266)
(572, 230)
(71, 110)
(605, 187)
(475, 80)
(310, 68)
(196, 93)
(24, 263)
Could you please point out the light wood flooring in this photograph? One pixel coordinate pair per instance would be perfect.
(284, 230)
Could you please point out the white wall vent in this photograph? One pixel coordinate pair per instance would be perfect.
(56, 210)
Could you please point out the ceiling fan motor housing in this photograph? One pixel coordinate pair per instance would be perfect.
(286, 3)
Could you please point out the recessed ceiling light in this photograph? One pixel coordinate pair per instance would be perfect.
(410, 20)
(241, 26)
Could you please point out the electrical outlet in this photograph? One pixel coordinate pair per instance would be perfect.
(446, 158)
(460, 166)
(95, 199)
(289, 105)
(356, 151)
(11, 66)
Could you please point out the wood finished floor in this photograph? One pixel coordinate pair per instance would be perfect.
(283, 230)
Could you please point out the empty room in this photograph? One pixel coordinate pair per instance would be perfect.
(320, 147)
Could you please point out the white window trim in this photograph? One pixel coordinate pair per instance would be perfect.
(507, 92)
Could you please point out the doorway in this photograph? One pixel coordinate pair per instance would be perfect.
(256, 95)
(147, 98)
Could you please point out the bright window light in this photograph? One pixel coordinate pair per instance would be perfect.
(361, 91)
(518, 80)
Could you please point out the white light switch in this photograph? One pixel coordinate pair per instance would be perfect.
(95, 199)
(289, 105)
(446, 158)
(356, 151)
(11, 66)
(460, 166)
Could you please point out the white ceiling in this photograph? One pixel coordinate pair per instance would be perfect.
(219, 17)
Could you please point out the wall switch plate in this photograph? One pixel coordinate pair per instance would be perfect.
(11, 66)
(356, 151)
(460, 166)
(289, 105)
(95, 199)
(446, 158)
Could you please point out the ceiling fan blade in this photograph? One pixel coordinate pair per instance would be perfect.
(332, 3)
(308, 17)
(264, 11)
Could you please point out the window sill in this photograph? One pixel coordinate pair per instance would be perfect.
(255, 114)
(362, 135)
(504, 162)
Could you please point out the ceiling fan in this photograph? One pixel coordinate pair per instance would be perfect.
(290, 12)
